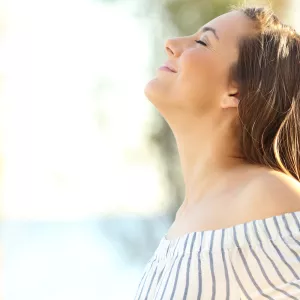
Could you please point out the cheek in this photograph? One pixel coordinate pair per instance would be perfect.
(200, 70)
(200, 79)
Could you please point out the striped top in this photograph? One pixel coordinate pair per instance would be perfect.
(259, 259)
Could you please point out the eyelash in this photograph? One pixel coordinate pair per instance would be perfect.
(201, 42)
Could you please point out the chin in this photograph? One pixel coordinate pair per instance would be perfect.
(152, 89)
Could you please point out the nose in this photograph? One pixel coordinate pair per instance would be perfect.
(172, 47)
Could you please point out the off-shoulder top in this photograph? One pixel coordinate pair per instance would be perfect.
(259, 259)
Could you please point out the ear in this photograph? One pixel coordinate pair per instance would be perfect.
(231, 99)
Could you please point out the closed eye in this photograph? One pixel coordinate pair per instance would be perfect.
(201, 42)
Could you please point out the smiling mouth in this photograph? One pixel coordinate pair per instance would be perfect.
(166, 68)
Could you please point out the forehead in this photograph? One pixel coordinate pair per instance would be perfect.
(231, 26)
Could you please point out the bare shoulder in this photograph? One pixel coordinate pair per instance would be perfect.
(271, 193)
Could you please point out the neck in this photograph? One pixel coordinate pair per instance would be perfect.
(207, 153)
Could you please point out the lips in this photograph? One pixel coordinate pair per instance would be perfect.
(169, 66)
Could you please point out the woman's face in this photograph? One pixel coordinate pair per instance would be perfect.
(200, 80)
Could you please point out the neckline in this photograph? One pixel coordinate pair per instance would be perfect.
(236, 227)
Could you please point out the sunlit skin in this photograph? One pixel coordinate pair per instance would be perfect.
(200, 105)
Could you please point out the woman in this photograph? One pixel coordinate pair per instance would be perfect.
(231, 95)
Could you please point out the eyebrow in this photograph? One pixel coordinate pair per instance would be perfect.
(207, 28)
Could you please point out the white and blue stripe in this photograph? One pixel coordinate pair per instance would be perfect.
(259, 259)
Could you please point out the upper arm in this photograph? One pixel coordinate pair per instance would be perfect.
(271, 269)
(271, 194)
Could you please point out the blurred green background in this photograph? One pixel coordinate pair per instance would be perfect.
(90, 178)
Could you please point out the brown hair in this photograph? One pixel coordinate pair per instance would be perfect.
(268, 75)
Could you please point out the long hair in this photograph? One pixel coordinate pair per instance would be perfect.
(268, 75)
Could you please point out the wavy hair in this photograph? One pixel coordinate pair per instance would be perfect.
(268, 76)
